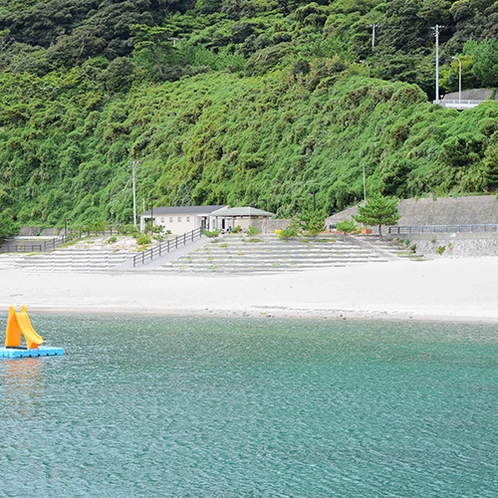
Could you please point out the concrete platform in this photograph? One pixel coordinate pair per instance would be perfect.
(30, 353)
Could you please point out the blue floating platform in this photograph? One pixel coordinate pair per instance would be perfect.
(30, 353)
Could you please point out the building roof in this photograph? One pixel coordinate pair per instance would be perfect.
(183, 210)
(240, 212)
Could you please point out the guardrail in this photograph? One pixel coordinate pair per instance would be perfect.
(458, 104)
(166, 246)
(474, 228)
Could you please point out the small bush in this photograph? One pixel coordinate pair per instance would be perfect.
(143, 239)
(111, 240)
(413, 248)
(131, 230)
(252, 230)
(212, 233)
(236, 229)
(97, 227)
(441, 249)
(292, 231)
(346, 226)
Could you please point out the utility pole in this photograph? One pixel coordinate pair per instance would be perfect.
(373, 26)
(364, 186)
(133, 176)
(313, 193)
(459, 78)
(152, 199)
(436, 34)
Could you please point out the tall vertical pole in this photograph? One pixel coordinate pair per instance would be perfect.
(313, 193)
(152, 212)
(459, 78)
(436, 32)
(364, 185)
(133, 176)
(373, 34)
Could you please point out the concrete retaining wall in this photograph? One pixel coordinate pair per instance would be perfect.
(269, 226)
(462, 247)
(479, 209)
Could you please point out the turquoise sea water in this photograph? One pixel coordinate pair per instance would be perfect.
(206, 407)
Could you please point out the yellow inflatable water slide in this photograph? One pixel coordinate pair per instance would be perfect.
(18, 326)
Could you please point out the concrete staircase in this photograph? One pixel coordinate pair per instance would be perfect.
(269, 254)
(86, 256)
(230, 253)
(388, 247)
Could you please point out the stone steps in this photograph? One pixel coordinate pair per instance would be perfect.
(57, 262)
(238, 255)
(86, 258)
(229, 254)
(390, 246)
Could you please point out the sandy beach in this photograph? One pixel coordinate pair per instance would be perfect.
(444, 290)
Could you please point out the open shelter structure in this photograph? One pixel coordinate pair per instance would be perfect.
(226, 218)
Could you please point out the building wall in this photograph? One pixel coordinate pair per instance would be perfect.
(270, 225)
(178, 223)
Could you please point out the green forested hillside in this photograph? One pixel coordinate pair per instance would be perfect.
(244, 102)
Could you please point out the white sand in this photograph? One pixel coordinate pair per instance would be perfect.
(445, 289)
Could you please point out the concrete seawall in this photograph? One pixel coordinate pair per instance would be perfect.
(460, 245)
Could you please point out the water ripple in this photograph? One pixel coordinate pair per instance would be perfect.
(251, 408)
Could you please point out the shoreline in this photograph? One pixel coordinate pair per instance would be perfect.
(280, 314)
(445, 290)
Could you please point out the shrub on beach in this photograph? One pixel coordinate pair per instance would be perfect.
(212, 233)
(346, 226)
(252, 230)
(291, 231)
(143, 239)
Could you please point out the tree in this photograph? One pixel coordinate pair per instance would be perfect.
(312, 222)
(155, 39)
(485, 57)
(378, 211)
(346, 226)
(292, 231)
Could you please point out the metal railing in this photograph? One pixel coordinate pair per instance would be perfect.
(166, 246)
(31, 245)
(458, 104)
(474, 228)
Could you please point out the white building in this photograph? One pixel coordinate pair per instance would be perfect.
(180, 219)
(183, 219)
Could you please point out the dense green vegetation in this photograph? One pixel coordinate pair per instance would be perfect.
(240, 101)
